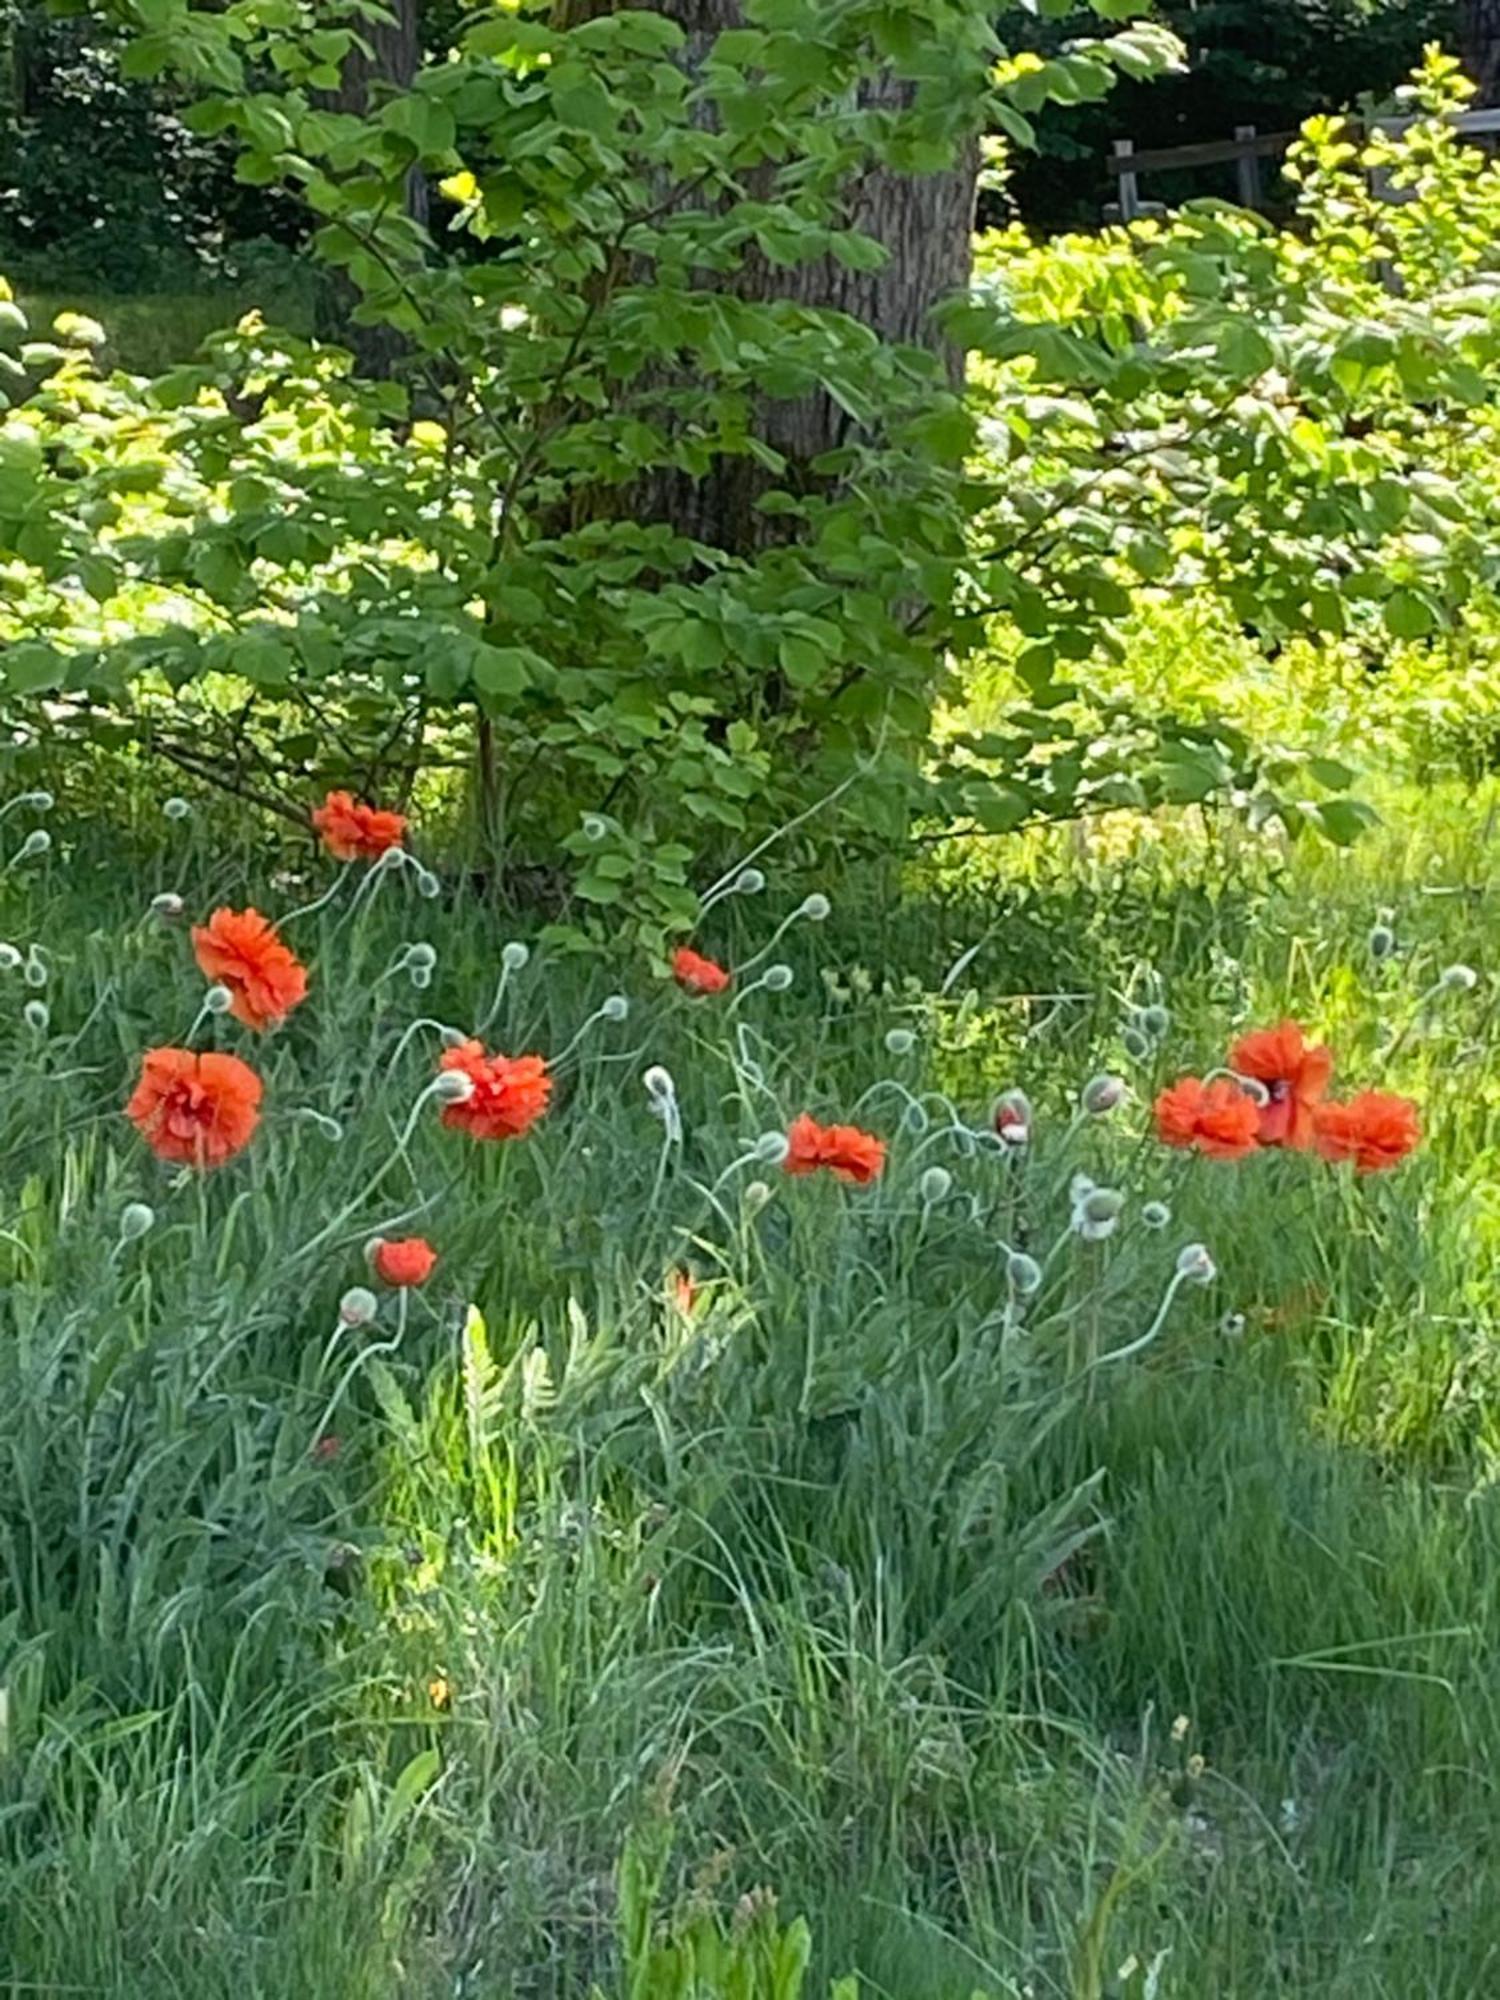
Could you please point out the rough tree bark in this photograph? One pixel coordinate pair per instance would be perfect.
(925, 222)
(1479, 40)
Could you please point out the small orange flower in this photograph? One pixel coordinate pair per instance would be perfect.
(242, 950)
(1295, 1077)
(197, 1111)
(1375, 1130)
(407, 1262)
(845, 1150)
(352, 831)
(684, 1292)
(696, 974)
(1217, 1118)
(510, 1092)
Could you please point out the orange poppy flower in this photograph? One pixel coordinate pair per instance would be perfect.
(845, 1150)
(1375, 1130)
(353, 831)
(1294, 1076)
(696, 974)
(407, 1262)
(242, 950)
(1216, 1118)
(195, 1110)
(510, 1092)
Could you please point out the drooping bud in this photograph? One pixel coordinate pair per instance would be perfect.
(1155, 1215)
(428, 884)
(772, 1147)
(421, 955)
(755, 1196)
(176, 808)
(10, 958)
(36, 969)
(452, 1038)
(658, 1082)
(1460, 978)
(358, 1306)
(454, 1086)
(168, 906)
(1096, 1214)
(135, 1219)
(776, 978)
(420, 977)
(1232, 1325)
(1381, 941)
(899, 1041)
(749, 882)
(935, 1185)
(1101, 1095)
(1135, 1043)
(595, 826)
(1023, 1273)
(217, 1000)
(38, 1016)
(1195, 1263)
(515, 955)
(38, 841)
(816, 907)
(1156, 1022)
(614, 1007)
(1011, 1117)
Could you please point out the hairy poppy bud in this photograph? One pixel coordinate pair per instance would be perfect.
(1382, 942)
(358, 1306)
(1136, 1044)
(421, 955)
(935, 1185)
(1101, 1095)
(218, 1000)
(1155, 1215)
(595, 826)
(176, 808)
(420, 977)
(1011, 1117)
(658, 1082)
(1232, 1325)
(38, 841)
(168, 906)
(1096, 1213)
(1457, 978)
(428, 884)
(10, 958)
(515, 955)
(755, 1197)
(776, 978)
(1155, 1022)
(772, 1147)
(749, 882)
(37, 1015)
(36, 968)
(41, 802)
(454, 1086)
(816, 907)
(1023, 1273)
(1195, 1263)
(452, 1038)
(899, 1041)
(1080, 1187)
(135, 1219)
(615, 1007)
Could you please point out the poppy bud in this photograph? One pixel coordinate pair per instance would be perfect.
(358, 1306)
(1135, 1044)
(1156, 1022)
(749, 882)
(421, 955)
(36, 842)
(176, 808)
(135, 1219)
(454, 1086)
(1457, 978)
(1155, 1215)
(1011, 1117)
(452, 1038)
(899, 1041)
(420, 977)
(1382, 942)
(935, 1185)
(168, 906)
(816, 907)
(1096, 1214)
(776, 978)
(10, 958)
(1101, 1095)
(1080, 1187)
(36, 969)
(755, 1197)
(658, 1082)
(1194, 1262)
(37, 1016)
(218, 1000)
(1232, 1325)
(42, 802)
(595, 826)
(428, 884)
(915, 1118)
(614, 1007)
(515, 955)
(1023, 1273)
(772, 1147)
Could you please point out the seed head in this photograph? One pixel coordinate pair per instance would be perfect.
(218, 1000)
(935, 1185)
(392, 859)
(358, 1306)
(772, 1147)
(135, 1219)
(1023, 1273)
(816, 907)
(515, 955)
(899, 1041)
(454, 1086)
(1101, 1095)
(776, 978)
(176, 808)
(614, 1007)
(1195, 1263)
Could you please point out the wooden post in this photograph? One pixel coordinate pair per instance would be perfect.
(1247, 169)
(1130, 191)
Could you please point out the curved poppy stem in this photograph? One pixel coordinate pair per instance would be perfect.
(365, 1354)
(323, 901)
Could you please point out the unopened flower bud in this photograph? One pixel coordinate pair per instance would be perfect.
(1080, 1187)
(36, 969)
(358, 1306)
(10, 958)
(755, 1197)
(1101, 1095)
(428, 884)
(1011, 1117)
(915, 1118)
(1232, 1325)
(420, 977)
(217, 1000)
(176, 808)
(421, 955)
(394, 858)
(1156, 1022)
(1195, 1263)
(614, 1007)
(515, 955)
(658, 1082)
(595, 826)
(452, 1038)
(1460, 978)
(1155, 1215)
(41, 802)
(1023, 1273)
(38, 841)
(772, 1147)
(1102, 1204)
(37, 1016)
(135, 1219)
(749, 882)
(935, 1185)
(816, 907)
(454, 1086)
(168, 906)
(776, 978)
(899, 1041)
(1135, 1043)
(1382, 942)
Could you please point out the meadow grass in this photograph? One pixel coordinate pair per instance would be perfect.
(1015, 1669)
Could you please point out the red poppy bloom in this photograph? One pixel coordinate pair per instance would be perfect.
(1216, 1118)
(408, 1262)
(845, 1150)
(353, 831)
(1375, 1130)
(684, 1290)
(696, 974)
(510, 1092)
(1294, 1076)
(197, 1111)
(242, 950)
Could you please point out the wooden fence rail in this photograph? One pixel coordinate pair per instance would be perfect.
(1245, 151)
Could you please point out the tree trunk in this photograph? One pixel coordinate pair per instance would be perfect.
(1479, 39)
(926, 224)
